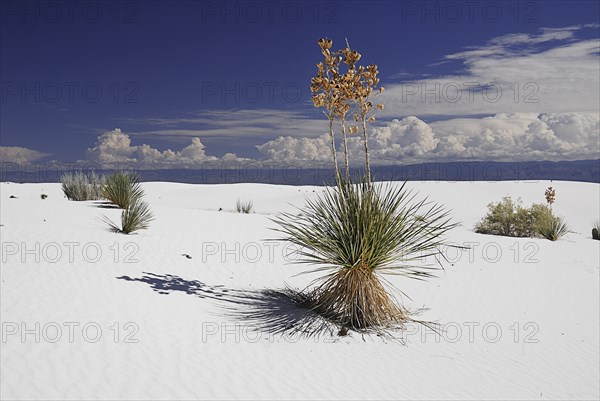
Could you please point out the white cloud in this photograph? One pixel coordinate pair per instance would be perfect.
(258, 123)
(114, 147)
(508, 137)
(17, 154)
(511, 73)
(408, 137)
(290, 149)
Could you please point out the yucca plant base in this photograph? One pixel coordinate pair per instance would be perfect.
(356, 299)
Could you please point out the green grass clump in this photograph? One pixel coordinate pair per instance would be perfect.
(244, 207)
(122, 189)
(358, 232)
(136, 216)
(550, 226)
(82, 187)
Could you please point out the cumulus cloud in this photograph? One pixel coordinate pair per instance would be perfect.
(114, 147)
(509, 137)
(521, 136)
(408, 137)
(17, 154)
(290, 149)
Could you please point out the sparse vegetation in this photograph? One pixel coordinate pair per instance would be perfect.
(122, 189)
(136, 216)
(244, 207)
(79, 186)
(512, 219)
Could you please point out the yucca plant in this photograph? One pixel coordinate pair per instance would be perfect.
(244, 207)
(550, 226)
(122, 189)
(82, 187)
(358, 233)
(137, 216)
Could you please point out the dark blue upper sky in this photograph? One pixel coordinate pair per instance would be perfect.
(70, 71)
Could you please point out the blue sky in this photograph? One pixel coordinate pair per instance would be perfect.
(186, 82)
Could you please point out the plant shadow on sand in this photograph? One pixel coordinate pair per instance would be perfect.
(167, 283)
(281, 312)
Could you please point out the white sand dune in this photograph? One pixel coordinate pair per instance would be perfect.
(129, 317)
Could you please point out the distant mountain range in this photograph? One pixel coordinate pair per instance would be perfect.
(581, 170)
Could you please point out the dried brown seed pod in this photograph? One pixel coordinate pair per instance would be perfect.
(325, 43)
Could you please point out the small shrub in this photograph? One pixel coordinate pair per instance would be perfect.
(123, 189)
(82, 187)
(506, 217)
(244, 207)
(137, 216)
(43, 196)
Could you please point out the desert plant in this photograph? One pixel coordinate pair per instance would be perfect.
(122, 189)
(507, 217)
(136, 216)
(43, 196)
(244, 207)
(82, 187)
(550, 226)
(358, 232)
